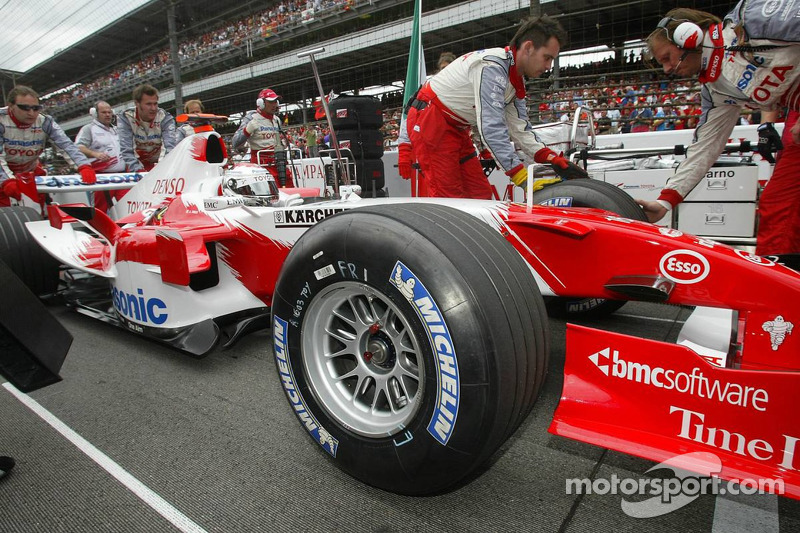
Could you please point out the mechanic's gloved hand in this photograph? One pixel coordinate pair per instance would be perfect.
(768, 141)
(404, 161)
(563, 167)
(87, 174)
(10, 188)
(39, 170)
(519, 176)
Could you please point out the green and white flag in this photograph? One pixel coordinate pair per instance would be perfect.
(415, 74)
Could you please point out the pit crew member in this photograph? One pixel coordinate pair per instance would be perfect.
(485, 91)
(99, 141)
(192, 107)
(24, 130)
(143, 129)
(750, 59)
(261, 130)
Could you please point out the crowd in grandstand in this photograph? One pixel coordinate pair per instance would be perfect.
(259, 25)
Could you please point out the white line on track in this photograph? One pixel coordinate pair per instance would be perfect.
(156, 502)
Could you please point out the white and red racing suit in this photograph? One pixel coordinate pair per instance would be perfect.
(101, 138)
(760, 72)
(140, 142)
(262, 131)
(21, 145)
(480, 90)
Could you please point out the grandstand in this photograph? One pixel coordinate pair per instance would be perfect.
(227, 55)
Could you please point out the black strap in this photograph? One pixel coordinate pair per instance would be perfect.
(467, 157)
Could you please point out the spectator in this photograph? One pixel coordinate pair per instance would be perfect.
(23, 133)
(311, 141)
(604, 121)
(641, 118)
(144, 129)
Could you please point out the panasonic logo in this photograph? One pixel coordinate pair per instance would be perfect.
(138, 307)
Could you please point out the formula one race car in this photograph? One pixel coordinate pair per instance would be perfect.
(411, 337)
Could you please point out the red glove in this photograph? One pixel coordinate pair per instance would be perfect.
(39, 170)
(404, 161)
(11, 188)
(87, 174)
(485, 154)
(564, 168)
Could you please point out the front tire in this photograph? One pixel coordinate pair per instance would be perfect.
(599, 195)
(37, 269)
(411, 341)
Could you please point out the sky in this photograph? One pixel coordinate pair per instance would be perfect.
(32, 31)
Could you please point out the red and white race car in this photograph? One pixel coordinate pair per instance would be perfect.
(410, 335)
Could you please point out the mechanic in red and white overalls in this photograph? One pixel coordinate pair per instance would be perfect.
(143, 129)
(261, 130)
(485, 91)
(23, 134)
(751, 59)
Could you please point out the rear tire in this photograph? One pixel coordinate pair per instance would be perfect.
(411, 342)
(354, 112)
(23, 255)
(599, 195)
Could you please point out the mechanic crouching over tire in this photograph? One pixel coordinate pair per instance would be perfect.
(261, 130)
(447, 110)
(24, 130)
(748, 59)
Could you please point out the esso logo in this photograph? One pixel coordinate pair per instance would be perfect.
(755, 259)
(684, 266)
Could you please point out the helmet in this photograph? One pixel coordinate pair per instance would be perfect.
(252, 182)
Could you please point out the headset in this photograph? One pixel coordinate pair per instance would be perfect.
(93, 110)
(260, 103)
(687, 35)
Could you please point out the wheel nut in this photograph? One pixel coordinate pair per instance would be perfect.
(367, 356)
(374, 328)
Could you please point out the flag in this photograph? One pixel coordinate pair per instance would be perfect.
(415, 74)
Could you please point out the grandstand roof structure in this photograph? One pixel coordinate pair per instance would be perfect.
(366, 45)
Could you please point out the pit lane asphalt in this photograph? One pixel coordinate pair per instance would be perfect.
(217, 444)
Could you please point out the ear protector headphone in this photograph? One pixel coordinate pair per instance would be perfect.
(260, 103)
(687, 35)
(93, 111)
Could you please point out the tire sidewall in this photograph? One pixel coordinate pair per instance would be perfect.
(396, 461)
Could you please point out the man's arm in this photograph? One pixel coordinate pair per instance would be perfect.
(84, 140)
(489, 82)
(126, 148)
(240, 137)
(712, 133)
(61, 140)
(168, 134)
(5, 172)
(710, 136)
